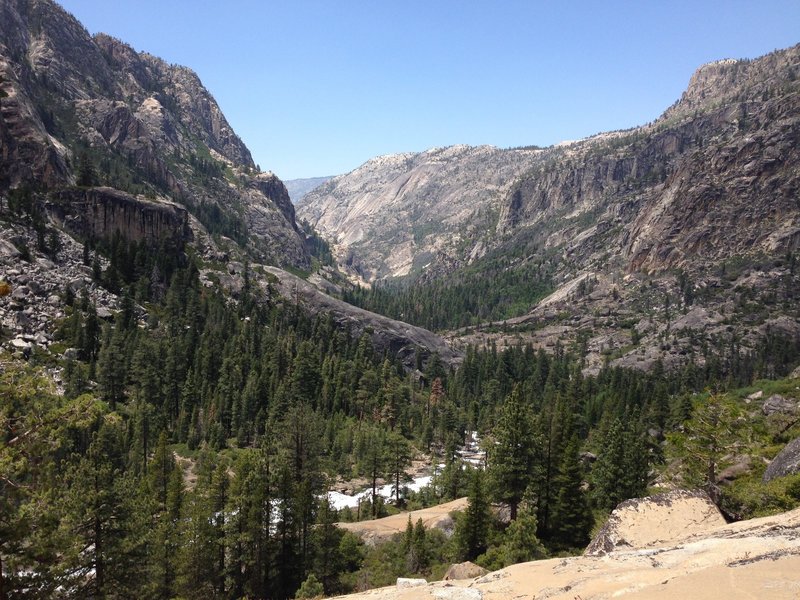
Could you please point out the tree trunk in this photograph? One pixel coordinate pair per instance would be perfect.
(3, 594)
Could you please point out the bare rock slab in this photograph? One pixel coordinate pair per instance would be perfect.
(655, 521)
(787, 462)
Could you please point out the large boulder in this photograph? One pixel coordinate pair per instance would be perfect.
(464, 570)
(787, 462)
(655, 521)
(777, 404)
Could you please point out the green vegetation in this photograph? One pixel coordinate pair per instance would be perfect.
(190, 452)
(500, 286)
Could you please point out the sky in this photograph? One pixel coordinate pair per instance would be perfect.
(316, 88)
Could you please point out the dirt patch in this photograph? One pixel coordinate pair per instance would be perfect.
(377, 530)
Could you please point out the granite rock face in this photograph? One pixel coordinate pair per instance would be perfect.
(98, 213)
(655, 521)
(661, 241)
(411, 345)
(714, 177)
(392, 215)
(145, 126)
(787, 462)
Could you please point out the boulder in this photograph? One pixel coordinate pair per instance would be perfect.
(464, 570)
(655, 521)
(787, 462)
(20, 293)
(780, 405)
(408, 582)
(739, 468)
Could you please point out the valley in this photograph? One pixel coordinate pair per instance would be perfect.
(209, 391)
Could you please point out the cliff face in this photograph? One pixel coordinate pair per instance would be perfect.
(144, 126)
(716, 176)
(395, 213)
(109, 141)
(667, 242)
(98, 213)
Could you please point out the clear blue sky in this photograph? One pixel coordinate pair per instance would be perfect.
(317, 88)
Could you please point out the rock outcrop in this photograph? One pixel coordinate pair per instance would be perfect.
(787, 462)
(464, 570)
(655, 521)
(99, 213)
(411, 345)
(93, 111)
(750, 559)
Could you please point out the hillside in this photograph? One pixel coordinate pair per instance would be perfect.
(92, 111)
(656, 244)
(189, 386)
(659, 196)
(394, 214)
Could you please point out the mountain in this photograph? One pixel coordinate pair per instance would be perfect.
(665, 194)
(182, 379)
(106, 147)
(657, 242)
(298, 188)
(91, 110)
(394, 214)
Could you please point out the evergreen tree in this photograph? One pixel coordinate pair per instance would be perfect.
(472, 526)
(398, 455)
(520, 543)
(328, 561)
(572, 515)
(105, 520)
(511, 460)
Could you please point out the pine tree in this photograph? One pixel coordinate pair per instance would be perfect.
(111, 366)
(572, 516)
(472, 527)
(328, 562)
(520, 543)
(397, 458)
(610, 468)
(511, 459)
(104, 517)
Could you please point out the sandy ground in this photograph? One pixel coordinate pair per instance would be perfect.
(380, 529)
(756, 559)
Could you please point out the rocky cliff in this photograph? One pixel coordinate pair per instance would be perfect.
(102, 140)
(715, 176)
(394, 214)
(91, 110)
(99, 213)
(665, 241)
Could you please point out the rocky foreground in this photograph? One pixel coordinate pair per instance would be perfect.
(674, 545)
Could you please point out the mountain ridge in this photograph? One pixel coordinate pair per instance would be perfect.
(328, 207)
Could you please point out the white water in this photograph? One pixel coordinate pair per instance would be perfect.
(471, 453)
(339, 500)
